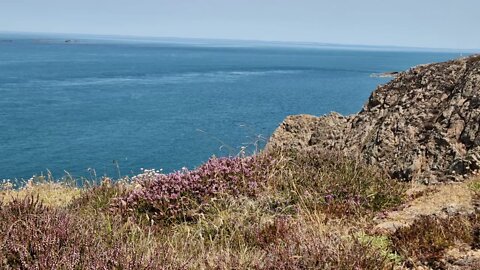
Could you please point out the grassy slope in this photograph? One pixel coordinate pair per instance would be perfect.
(312, 211)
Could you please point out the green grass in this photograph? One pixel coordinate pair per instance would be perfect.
(475, 186)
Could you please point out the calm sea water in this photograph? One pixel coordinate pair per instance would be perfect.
(91, 105)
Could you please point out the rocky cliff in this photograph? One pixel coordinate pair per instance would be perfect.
(423, 125)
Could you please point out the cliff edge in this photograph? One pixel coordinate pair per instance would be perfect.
(422, 126)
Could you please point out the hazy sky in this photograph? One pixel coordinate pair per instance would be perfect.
(420, 23)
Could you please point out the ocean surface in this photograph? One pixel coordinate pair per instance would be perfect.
(116, 106)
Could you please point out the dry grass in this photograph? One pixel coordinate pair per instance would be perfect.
(439, 200)
(336, 184)
(426, 241)
(315, 211)
(56, 194)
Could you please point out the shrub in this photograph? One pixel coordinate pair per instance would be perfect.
(337, 184)
(179, 195)
(330, 250)
(98, 198)
(37, 237)
(274, 233)
(428, 238)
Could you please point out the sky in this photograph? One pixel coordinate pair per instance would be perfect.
(414, 23)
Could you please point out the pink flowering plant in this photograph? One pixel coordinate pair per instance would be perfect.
(181, 194)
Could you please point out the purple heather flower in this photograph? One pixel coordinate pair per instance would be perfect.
(164, 192)
(329, 198)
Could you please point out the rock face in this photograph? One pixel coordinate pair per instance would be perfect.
(423, 125)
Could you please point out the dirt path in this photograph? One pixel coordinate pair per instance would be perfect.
(440, 200)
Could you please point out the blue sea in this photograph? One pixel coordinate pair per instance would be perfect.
(99, 104)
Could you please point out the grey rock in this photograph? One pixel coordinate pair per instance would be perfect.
(424, 124)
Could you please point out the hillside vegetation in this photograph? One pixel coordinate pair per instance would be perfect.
(302, 210)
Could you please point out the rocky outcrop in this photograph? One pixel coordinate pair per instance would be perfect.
(302, 131)
(423, 125)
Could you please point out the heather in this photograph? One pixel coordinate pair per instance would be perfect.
(178, 196)
(35, 236)
(276, 210)
(438, 235)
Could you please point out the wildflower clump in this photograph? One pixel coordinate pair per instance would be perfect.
(179, 195)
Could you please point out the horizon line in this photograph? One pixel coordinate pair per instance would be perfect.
(276, 42)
